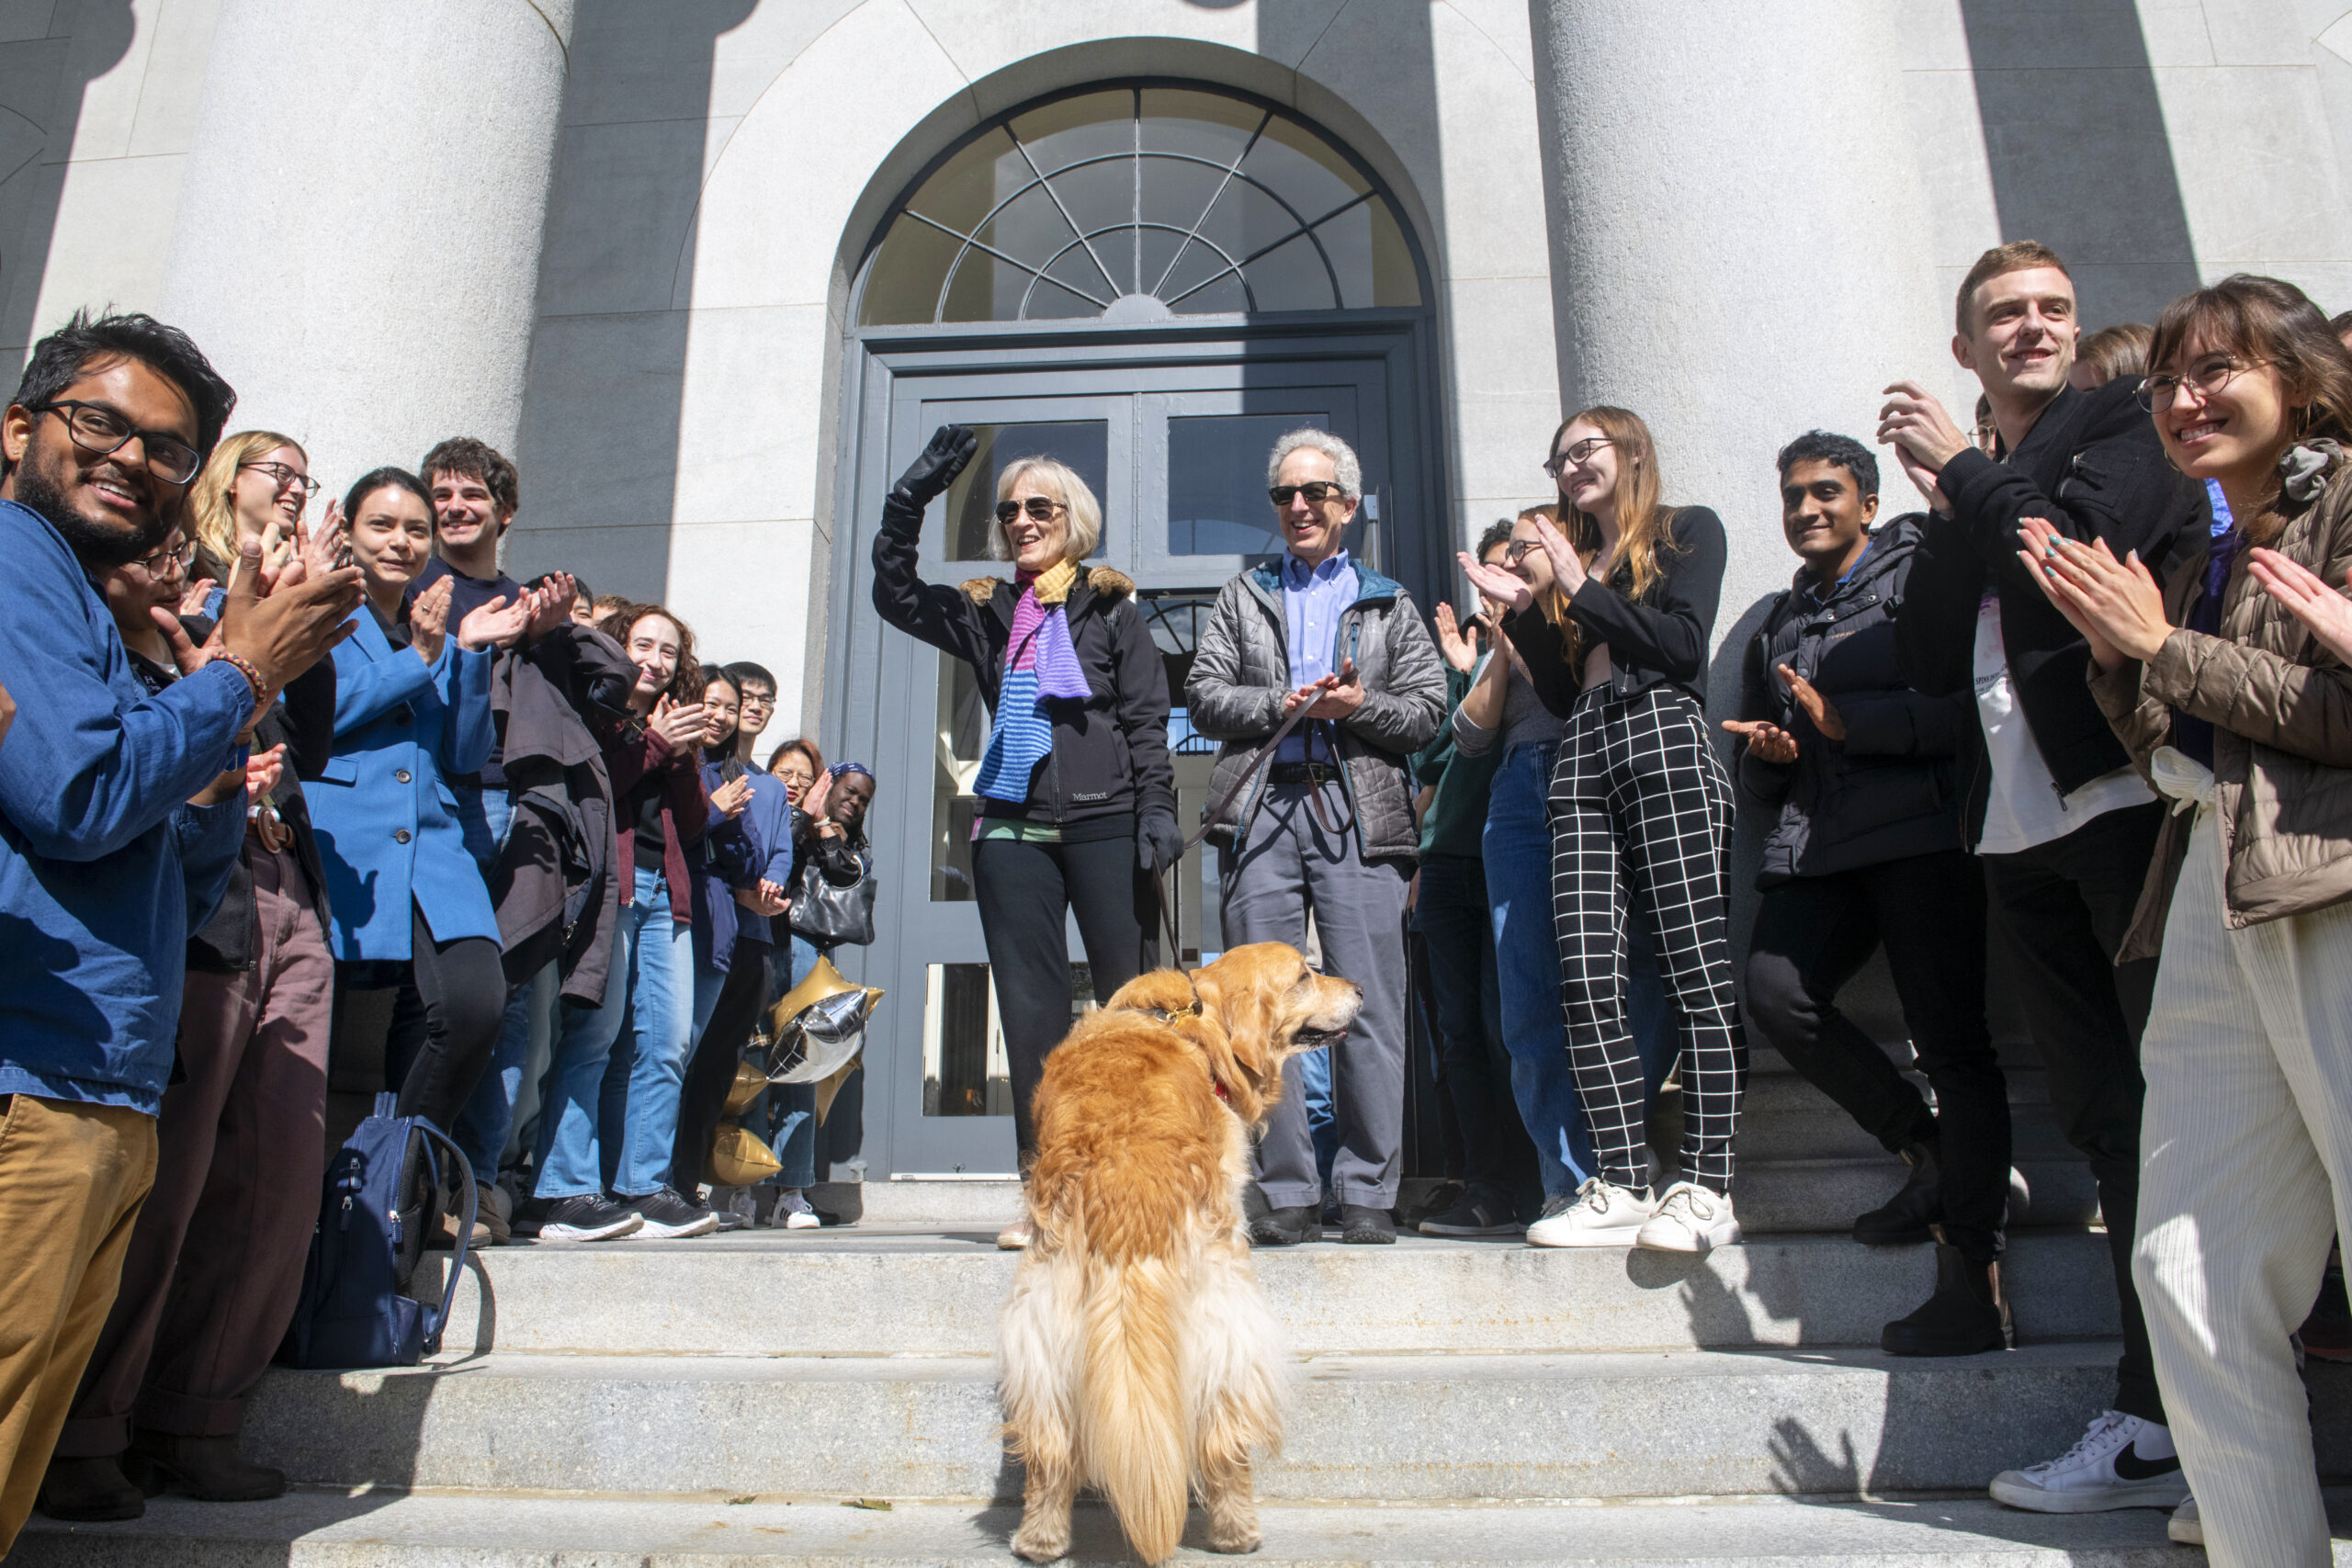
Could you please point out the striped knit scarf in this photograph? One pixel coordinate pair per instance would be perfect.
(1039, 665)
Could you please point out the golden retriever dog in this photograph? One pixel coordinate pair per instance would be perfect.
(1136, 1354)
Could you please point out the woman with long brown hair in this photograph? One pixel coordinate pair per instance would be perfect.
(2229, 685)
(1641, 818)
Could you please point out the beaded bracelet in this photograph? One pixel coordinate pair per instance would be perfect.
(244, 667)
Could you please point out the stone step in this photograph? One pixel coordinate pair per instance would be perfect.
(387, 1529)
(1775, 1195)
(2027, 1086)
(817, 1293)
(1429, 1427)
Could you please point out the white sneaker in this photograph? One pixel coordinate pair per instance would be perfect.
(792, 1213)
(2185, 1527)
(1690, 1218)
(2122, 1462)
(1601, 1215)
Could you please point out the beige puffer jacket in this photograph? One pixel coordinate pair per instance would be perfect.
(2281, 707)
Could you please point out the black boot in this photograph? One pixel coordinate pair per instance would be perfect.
(210, 1470)
(1904, 1219)
(84, 1491)
(1286, 1227)
(1967, 1314)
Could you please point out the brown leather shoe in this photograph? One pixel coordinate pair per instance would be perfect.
(84, 1491)
(210, 1470)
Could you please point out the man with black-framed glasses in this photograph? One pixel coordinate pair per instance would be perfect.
(121, 814)
(1326, 824)
(2052, 806)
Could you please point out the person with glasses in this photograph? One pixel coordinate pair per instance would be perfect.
(756, 692)
(1077, 796)
(121, 814)
(216, 1257)
(2050, 803)
(1641, 815)
(2226, 679)
(1325, 824)
(256, 485)
(1502, 712)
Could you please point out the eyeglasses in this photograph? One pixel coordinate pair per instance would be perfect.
(1573, 456)
(756, 698)
(101, 432)
(2209, 375)
(281, 476)
(1517, 550)
(166, 561)
(1039, 508)
(1316, 491)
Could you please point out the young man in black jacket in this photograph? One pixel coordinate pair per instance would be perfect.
(1867, 850)
(2064, 826)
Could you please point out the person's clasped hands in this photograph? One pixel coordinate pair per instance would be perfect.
(1768, 742)
(271, 631)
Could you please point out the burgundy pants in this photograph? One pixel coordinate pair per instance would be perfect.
(216, 1260)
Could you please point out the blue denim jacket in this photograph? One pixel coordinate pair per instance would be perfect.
(105, 868)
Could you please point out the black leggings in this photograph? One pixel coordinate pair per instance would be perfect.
(710, 1070)
(1022, 890)
(445, 1022)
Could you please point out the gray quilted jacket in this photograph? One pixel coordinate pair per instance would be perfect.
(1241, 673)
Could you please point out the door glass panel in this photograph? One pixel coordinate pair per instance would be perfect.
(1084, 444)
(1216, 490)
(962, 736)
(966, 1071)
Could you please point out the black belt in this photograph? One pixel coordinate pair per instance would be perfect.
(1303, 772)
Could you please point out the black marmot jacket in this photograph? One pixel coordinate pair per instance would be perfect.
(1887, 790)
(1110, 752)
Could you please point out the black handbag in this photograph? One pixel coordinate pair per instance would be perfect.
(830, 916)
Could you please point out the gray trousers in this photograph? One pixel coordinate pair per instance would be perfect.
(1285, 865)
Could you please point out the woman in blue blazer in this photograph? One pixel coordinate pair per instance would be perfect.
(412, 709)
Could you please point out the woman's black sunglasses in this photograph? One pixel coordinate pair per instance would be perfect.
(1039, 508)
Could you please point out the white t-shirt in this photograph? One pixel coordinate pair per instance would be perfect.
(2025, 808)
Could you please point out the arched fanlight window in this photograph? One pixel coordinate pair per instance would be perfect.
(1137, 203)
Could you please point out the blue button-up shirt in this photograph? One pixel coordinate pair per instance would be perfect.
(105, 868)
(1314, 598)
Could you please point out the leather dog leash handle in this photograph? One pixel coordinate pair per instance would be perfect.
(1241, 782)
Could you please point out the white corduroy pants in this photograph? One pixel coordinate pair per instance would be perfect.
(2247, 1162)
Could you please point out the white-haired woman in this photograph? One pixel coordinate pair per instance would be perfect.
(1078, 803)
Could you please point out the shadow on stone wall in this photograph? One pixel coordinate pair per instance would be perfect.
(2076, 139)
(41, 84)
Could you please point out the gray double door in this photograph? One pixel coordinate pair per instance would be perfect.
(1175, 447)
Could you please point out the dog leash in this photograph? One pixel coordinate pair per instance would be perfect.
(1249, 773)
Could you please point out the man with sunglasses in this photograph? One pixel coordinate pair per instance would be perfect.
(1327, 823)
(121, 813)
(2050, 801)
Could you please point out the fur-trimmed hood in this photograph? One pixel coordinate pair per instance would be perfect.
(1103, 581)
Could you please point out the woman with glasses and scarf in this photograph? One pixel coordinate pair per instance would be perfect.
(1641, 817)
(1078, 801)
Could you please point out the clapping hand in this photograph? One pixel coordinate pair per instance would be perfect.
(681, 724)
(428, 619)
(281, 635)
(197, 595)
(1819, 708)
(1505, 588)
(556, 593)
(2116, 604)
(1924, 436)
(262, 770)
(1457, 643)
(729, 798)
(497, 624)
(766, 898)
(1766, 742)
(322, 548)
(812, 799)
(2308, 598)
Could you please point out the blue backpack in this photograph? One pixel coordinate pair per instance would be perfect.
(355, 1310)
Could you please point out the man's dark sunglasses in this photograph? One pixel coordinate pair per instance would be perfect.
(1039, 508)
(101, 432)
(1316, 491)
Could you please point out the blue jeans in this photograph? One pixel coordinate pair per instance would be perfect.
(788, 1111)
(489, 1116)
(1456, 922)
(483, 818)
(1518, 848)
(611, 1112)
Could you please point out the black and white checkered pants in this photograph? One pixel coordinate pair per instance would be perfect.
(1642, 809)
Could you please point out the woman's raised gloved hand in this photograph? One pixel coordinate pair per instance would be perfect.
(928, 476)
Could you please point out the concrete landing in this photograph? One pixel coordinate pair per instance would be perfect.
(483, 1531)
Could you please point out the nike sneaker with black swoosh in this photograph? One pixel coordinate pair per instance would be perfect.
(2122, 1462)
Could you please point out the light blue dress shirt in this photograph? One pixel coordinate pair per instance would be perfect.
(1314, 598)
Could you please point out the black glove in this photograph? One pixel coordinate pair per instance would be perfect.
(1160, 843)
(935, 468)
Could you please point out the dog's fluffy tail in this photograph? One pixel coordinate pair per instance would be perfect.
(1133, 1411)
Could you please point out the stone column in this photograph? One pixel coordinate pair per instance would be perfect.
(1739, 246)
(358, 244)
